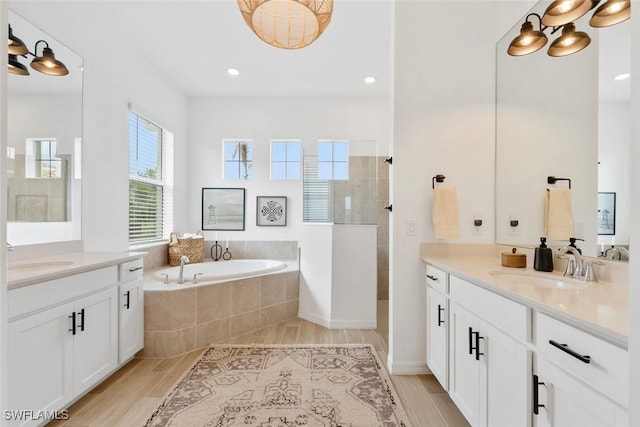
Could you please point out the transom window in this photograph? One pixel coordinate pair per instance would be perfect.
(238, 159)
(41, 159)
(285, 159)
(333, 160)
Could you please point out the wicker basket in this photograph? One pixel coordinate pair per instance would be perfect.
(192, 247)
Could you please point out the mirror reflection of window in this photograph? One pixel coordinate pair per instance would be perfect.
(41, 160)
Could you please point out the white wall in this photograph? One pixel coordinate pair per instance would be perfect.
(444, 123)
(212, 119)
(614, 170)
(4, 312)
(113, 77)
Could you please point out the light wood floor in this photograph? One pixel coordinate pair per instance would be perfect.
(130, 396)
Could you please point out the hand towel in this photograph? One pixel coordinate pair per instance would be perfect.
(444, 213)
(558, 218)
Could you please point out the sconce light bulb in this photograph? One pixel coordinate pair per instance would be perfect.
(615, 7)
(565, 6)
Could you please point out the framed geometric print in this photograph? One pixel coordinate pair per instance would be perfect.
(271, 210)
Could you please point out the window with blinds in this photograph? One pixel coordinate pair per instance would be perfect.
(150, 180)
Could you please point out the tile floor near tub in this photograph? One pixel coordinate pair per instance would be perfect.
(128, 397)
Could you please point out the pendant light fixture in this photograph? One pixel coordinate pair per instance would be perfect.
(610, 13)
(529, 40)
(562, 12)
(287, 24)
(571, 41)
(47, 63)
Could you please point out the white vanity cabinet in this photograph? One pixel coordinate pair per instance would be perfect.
(489, 358)
(580, 379)
(438, 325)
(131, 321)
(64, 337)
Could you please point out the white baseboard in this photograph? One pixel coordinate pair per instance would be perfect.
(338, 324)
(406, 368)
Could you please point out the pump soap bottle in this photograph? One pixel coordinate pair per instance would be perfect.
(543, 257)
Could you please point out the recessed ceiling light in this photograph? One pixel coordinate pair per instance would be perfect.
(369, 80)
(622, 76)
(233, 72)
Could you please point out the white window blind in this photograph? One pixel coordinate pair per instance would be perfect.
(315, 191)
(150, 180)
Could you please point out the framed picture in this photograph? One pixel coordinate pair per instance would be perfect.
(223, 209)
(271, 210)
(607, 213)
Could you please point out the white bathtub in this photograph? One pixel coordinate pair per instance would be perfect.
(221, 270)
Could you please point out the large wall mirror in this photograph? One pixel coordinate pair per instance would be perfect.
(44, 144)
(564, 117)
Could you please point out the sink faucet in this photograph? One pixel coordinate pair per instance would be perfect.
(575, 263)
(183, 260)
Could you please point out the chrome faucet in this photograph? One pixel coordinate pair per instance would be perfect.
(575, 263)
(183, 260)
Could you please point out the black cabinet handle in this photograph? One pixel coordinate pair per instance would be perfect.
(135, 269)
(536, 401)
(434, 278)
(127, 304)
(470, 340)
(477, 347)
(81, 325)
(566, 349)
(73, 323)
(440, 310)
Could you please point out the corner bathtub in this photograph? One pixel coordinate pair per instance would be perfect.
(231, 298)
(221, 270)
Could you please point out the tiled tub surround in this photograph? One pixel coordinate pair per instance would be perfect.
(181, 320)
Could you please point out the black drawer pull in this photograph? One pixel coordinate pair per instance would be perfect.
(127, 304)
(536, 397)
(470, 340)
(434, 278)
(477, 349)
(440, 310)
(131, 270)
(81, 325)
(566, 349)
(73, 323)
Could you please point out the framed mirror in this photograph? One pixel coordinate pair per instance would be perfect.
(44, 144)
(562, 117)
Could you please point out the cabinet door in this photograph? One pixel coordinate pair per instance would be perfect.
(569, 402)
(505, 372)
(131, 320)
(40, 361)
(96, 339)
(437, 336)
(464, 370)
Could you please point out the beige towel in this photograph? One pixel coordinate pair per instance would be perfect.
(444, 213)
(558, 214)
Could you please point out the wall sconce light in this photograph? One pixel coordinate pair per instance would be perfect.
(47, 63)
(287, 24)
(561, 14)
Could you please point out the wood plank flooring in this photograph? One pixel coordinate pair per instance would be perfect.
(130, 395)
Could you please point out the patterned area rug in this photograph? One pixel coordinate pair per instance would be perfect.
(282, 386)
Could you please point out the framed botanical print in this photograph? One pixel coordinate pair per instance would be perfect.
(223, 208)
(271, 210)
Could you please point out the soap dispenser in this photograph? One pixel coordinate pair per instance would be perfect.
(572, 244)
(543, 257)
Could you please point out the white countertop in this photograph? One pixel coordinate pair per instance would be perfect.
(30, 272)
(600, 308)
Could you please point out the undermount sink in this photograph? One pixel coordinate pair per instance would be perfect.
(531, 279)
(39, 265)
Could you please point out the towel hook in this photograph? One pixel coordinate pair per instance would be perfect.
(437, 178)
(389, 160)
(553, 180)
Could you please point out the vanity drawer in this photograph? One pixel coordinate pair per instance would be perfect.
(131, 270)
(507, 315)
(606, 368)
(438, 279)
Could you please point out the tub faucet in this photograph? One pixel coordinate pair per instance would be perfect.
(183, 260)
